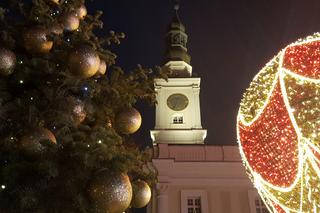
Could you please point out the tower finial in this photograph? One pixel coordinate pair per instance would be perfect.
(176, 39)
(176, 6)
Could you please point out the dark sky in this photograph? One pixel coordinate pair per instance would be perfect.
(229, 42)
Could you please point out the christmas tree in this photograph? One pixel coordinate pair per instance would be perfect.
(67, 112)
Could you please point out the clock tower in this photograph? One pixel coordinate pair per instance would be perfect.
(178, 117)
(192, 176)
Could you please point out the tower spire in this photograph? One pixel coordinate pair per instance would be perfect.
(176, 45)
(176, 7)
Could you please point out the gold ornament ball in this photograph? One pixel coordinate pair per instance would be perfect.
(30, 144)
(110, 192)
(109, 123)
(141, 194)
(70, 21)
(84, 62)
(7, 61)
(81, 12)
(78, 112)
(56, 29)
(54, 1)
(35, 40)
(74, 108)
(129, 121)
(102, 67)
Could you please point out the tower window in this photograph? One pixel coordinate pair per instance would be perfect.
(194, 204)
(178, 119)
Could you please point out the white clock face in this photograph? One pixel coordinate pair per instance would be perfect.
(177, 102)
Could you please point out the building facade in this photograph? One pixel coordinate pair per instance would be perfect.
(192, 177)
(198, 178)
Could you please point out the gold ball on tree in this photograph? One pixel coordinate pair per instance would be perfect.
(56, 29)
(109, 123)
(81, 12)
(110, 192)
(35, 40)
(72, 108)
(129, 121)
(7, 61)
(55, 1)
(31, 144)
(102, 67)
(141, 194)
(78, 111)
(84, 62)
(70, 21)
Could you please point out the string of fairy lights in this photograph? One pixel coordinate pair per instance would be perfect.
(278, 129)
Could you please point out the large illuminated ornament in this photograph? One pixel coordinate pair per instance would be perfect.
(279, 129)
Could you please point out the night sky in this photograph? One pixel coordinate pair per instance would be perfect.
(229, 42)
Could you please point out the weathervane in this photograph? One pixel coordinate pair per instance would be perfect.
(176, 5)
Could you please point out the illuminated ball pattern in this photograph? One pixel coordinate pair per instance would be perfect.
(279, 129)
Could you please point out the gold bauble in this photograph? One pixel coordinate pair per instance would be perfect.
(84, 61)
(129, 121)
(7, 61)
(73, 108)
(102, 67)
(81, 12)
(110, 192)
(109, 123)
(55, 1)
(56, 29)
(35, 40)
(78, 112)
(141, 194)
(70, 21)
(30, 143)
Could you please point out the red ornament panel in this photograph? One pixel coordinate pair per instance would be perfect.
(279, 209)
(303, 59)
(270, 144)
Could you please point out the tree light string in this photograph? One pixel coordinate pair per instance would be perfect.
(278, 129)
